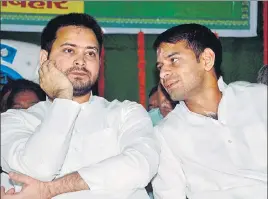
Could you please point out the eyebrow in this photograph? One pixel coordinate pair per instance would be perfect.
(175, 53)
(74, 45)
(168, 56)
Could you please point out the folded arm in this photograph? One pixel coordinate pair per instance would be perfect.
(133, 168)
(138, 160)
(37, 148)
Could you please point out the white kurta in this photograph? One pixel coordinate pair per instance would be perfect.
(110, 144)
(226, 158)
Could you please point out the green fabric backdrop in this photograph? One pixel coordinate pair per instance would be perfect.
(242, 58)
(228, 18)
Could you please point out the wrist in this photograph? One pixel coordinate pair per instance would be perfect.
(65, 95)
(49, 191)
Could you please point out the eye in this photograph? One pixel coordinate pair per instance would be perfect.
(91, 53)
(173, 60)
(159, 66)
(68, 50)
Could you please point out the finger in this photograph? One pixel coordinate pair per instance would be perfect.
(20, 178)
(40, 72)
(44, 66)
(2, 190)
(41, 82)
(51, 64)
(41, 85)
(45, 63)
(11, 191)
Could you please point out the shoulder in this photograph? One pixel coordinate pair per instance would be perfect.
(247, 90)
(243, 86)
(172, 124)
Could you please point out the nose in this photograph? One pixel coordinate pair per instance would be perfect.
(79, 61)
(164, 72)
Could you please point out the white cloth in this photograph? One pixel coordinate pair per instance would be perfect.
(226, 158)
(110, 144)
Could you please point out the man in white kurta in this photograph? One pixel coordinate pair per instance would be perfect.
(214, 143)
(76, 145)
(110, 144)
(226, 158)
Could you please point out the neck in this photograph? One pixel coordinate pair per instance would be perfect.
(78, 99)
(82, 99)
(206, 101)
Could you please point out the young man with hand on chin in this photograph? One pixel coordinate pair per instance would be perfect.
(76, 145)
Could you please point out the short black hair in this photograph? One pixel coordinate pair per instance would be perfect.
(49, 33)
(21, 85)
(198, 38)
(263, 75)
(153, 90)
(6, 88)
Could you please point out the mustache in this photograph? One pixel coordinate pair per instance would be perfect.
(76, 68)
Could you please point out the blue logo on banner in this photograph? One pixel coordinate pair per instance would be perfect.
(8, 53)
(7, 72)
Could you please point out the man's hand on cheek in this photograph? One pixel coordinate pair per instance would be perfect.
(54, 82)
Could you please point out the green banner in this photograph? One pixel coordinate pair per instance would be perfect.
(227, 18)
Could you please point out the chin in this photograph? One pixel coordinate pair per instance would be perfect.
(80, 82)
(80, 79)
(175, 97)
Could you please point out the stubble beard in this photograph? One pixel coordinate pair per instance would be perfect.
(184, 92)
(81, 88)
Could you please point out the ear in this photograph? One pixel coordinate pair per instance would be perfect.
(43, 56)
(208, 58)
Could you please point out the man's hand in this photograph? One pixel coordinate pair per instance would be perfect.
(54, 82)
(31, 189)
(8, 194)
(35, 189)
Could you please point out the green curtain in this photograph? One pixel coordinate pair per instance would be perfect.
(242, 58)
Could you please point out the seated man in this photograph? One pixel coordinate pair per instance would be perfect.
(159, 104)
(23, 94)
(76, 145)
(214, 143)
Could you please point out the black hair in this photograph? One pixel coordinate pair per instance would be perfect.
(153, 91)
(6, 88)
(198, 38)
(263, 75)
(49, 33)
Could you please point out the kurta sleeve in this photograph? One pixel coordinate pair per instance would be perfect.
(37, 145)
(138, 160)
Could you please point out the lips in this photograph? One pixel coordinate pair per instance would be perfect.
(171, 83)
(78, 73)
